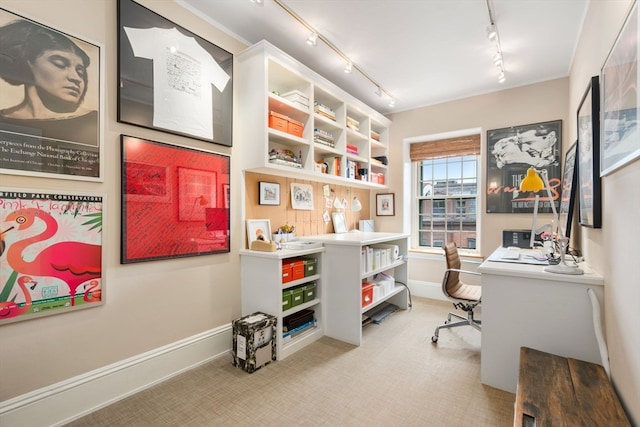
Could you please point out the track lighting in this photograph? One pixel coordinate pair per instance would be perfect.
(258, 2)
(501, 77)
(492, 32)
(313, 39)
(392, 103)
(497, 59)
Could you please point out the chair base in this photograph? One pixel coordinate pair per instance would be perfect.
(469, 320)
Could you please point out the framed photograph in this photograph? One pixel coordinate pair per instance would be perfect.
(171, 79)
(510, 153)
(258, 229)
(147, 183)
(620, 82)
(589, 213)
(339, 222)
(568, 195)
(269, 193)
(53, 253)
(170, 205)
(196, 193)
(385, 204)
(302, 196)
(64, 139)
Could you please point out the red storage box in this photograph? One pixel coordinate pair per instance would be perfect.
(367, 294)
(295, 128)
(287, 272)
(278, 121)
(297, 268)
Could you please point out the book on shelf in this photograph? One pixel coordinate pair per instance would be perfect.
(333, 165)
(299, 330)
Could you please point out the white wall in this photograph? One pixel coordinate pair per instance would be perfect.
(613, 250)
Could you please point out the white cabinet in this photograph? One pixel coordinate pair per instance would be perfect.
(338, 129)
(262, 287)
(344, 273)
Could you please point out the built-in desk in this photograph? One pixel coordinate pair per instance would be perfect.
(522, 305)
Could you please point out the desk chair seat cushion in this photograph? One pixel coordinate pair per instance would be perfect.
(462, 291)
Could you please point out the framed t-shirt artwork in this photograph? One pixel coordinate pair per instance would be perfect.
(171, 79)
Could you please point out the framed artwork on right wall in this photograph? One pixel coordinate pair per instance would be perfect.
(589, 214)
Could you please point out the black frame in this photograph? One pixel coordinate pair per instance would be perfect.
(588, 124)
(510, 153)
(136, 88)
(151, 203)
(568, 195)
(262, 185)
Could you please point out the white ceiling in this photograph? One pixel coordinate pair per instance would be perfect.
(423, 52)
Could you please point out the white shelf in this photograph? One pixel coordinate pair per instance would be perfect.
(261, 284)
(263, 69)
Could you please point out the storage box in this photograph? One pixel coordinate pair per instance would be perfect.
(294, 127)
(278, 121)
(309, 266)
(297, 296)
(309, 291)
(287, 272)
(287, 298)
(254, 343)
(367, 294)
(296, 96)
(297, 269)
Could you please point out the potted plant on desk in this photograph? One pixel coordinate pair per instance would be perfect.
(284, 233)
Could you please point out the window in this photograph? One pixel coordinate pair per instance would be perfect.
(446, 194)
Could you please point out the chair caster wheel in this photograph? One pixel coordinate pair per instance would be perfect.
(434, 339)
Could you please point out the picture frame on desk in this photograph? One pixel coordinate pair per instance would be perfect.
(619, 84)
(258, 229)
(170, 79)
(589, 204)
(385, 204)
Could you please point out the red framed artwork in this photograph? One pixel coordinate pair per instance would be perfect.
(172, 205)
(51, 253)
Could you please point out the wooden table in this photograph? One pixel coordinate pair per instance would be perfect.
(558, 391)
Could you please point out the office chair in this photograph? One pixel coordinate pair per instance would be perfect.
(464, 297)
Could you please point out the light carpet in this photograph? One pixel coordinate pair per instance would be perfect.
(397, 377)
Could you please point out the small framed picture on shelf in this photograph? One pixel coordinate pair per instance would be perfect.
(385, 204)
(258, 229)
(269, 193)
(339, 222)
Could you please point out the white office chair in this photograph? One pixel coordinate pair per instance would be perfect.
(464, 296)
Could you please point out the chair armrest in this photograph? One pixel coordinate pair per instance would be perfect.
(475, 273)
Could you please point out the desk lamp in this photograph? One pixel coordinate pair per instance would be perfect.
(535, 181)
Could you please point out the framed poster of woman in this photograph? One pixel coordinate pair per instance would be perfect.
(50, 101)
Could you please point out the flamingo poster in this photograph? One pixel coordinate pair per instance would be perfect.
(51, 253)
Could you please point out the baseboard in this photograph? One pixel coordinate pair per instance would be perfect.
(71, 399)
(431, 290)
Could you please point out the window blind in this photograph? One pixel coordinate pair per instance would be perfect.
(460, 146)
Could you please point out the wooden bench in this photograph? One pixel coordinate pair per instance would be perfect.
(558, 391)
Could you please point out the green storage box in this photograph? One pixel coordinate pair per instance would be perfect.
(310, 267)
(287, 299)
(309, 292)
(297, 296)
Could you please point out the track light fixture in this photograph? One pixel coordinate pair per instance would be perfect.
(494, 37)
(313, 40)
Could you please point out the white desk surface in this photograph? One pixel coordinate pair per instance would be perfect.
(354, 238)
(513, 268)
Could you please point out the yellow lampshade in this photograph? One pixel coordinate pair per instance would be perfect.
(531, 182)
